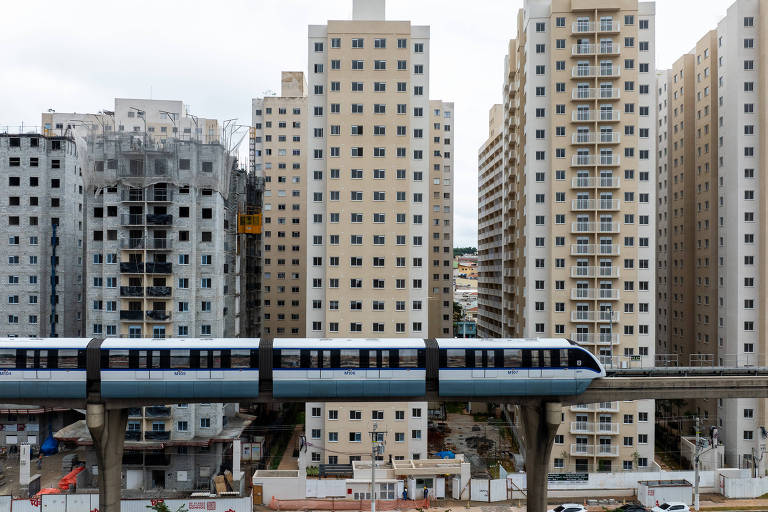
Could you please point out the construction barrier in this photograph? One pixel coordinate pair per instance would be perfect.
(344, 504)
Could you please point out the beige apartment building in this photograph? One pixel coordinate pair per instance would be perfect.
(578, 243)
(711, 250)
(341, 432)
(490, 220)
(278, 154)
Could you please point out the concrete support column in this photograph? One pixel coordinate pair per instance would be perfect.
(107, 427)
(540, 422)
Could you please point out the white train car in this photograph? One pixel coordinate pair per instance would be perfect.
(180, 368)
(317, 368)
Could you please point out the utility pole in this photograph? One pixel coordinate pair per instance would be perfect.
(696, 454)
(377, 448)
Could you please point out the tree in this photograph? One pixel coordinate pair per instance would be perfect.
(458, 312)
(160, 506)
(461, 251)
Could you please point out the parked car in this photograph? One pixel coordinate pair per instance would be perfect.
(631, 507)
(673, 506)
(569, 507)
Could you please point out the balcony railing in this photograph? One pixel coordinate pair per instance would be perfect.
(591, 93)
(592, 249)
(601, 407)
(595, 204)
(582, 27)
(595, 227)
(595, 138)
(157, 412)
(131, 219)
(592, 49)
(608, 26)
(158, 291)
(157, 435)
(158, 219)
(139, 195)
(159, 244)
(594, 293)
(132, 315)
(159, 268)
(132, 243)
(127, 267)
(158, 315)
(595, 338)
(596, 71)
(589, 160)
(591, 182)
(595, 316)
(588, 427)
(599, 450)
(595, 271)
(131, 291)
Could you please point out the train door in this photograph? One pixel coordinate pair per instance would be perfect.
(43, 366)
(373, 371)
(385, 370)
(216, 365)
(535, 362)
(326, 365)
(478, 372)
(313, 364)
(156, 366)
(142, 366)
(489, 361)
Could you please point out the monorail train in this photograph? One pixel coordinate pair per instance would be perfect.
(228, 369)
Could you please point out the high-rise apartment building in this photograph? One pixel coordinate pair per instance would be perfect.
(379, 181)
(490, 217)
(712, 255)
(159, 227)
(42, 204)
(578, 247)
(278, 154)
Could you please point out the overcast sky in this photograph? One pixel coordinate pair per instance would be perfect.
(215, 56)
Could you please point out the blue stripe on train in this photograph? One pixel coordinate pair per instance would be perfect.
(180, 389)
(34, 388)
(318, 388)
(516, 387)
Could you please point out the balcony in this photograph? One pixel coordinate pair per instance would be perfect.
(132, 243)
(158, 291)
(134, 412)
(157, 412)
(159, 196)
(582, 27)
(595, 316)
(132, 195)
(595, 138)
(131, 219)
(157, 435)
(131, 291)
(601, 407)
(131, 268)
(579, 116)
(605, 205)
(158, 219)
(590, 182)
(595, 227)
(593, 271)
(598, 450)
(595, 49)
(591, 160)
(133, 435)
(132, 315)
(609, 26)
(595, 249)
(159, 268)
(595, 338)
(588, 427)
(158, 315)
(596, 72)
(594, 293)
(159, 244)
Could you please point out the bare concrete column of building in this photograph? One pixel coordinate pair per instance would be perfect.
(540, 422)
(107, 427)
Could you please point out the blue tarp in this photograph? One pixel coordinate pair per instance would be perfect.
(49, 446)
(446, 455)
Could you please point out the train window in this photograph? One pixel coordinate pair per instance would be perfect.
(456, 358)
(143, 357)
(373, 359)
(118, 359)
(30, 362)
(489, 362)
(513, 358)
(180, 358)
(156, 359)
(545, 357)
(384, 359)
(43, 359)
(408, 358)
(350, 359)
(289, 358)
(478, 359)
(240, 359)
(314, 359)
(216, 358)
(67, 358)
(8, 358)
(203, 359)
(563, 352)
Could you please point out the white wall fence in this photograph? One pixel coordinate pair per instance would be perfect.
(90, 502)
(742, 487)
